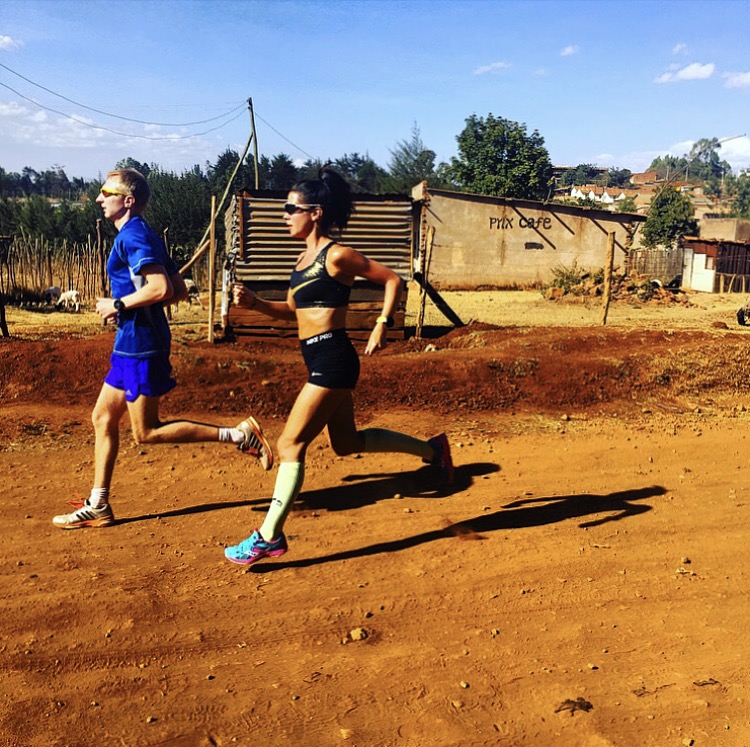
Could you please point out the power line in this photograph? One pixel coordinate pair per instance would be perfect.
(138, 121)
(283, 137)
(171, 138)
(117, 116)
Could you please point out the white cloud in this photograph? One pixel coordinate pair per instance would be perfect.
(7, 43)
(571, 49)
(493, 67)
(737, 80)
(636, 161)
(680, 149)
(11, 109)
(680, 49)
(30, 137)
(694, 71)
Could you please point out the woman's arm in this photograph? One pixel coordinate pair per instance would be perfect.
(247, 299)
(348, 261)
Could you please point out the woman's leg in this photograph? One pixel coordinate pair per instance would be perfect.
(309, 415)
(346, 439)
(311, 411)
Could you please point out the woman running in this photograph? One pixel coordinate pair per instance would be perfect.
(318, 300)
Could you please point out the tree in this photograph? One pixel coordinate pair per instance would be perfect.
(618, 177)
(219, 173)
(741, 201)
(626, 205)
(181, 203)
(584, 173)
(131, 163)
(282, 173)
(411, 163)
(670, 217)
(704, 162)
(498, 157)
(309, 169)
(363, 174)
(667, 166)
(700, 164)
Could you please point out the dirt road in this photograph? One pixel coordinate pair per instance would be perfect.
(583, 583)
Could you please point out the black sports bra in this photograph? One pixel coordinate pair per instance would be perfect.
(313, 287)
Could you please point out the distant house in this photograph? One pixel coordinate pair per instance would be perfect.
(646, 177)
(612, 195)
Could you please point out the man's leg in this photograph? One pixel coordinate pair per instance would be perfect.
(96, 512)
(149, 429)
(106, 417)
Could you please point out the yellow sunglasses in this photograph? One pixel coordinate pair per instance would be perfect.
(111, 193)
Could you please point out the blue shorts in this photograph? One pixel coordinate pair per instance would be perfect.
(332, 362)
(151, 377)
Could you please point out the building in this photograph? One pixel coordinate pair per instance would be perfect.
(469, 241)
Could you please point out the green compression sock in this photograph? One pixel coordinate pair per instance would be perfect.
(381, 439)
(289, 481)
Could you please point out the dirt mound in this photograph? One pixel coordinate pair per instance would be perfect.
(479, 367)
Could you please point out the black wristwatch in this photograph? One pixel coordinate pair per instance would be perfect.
(119, 305)
(387, 320)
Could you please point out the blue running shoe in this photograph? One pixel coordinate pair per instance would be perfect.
(254, 548)
(442, 459)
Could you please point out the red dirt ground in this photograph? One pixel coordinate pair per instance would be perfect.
(583, 583)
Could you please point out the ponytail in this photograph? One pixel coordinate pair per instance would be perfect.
(331, 191)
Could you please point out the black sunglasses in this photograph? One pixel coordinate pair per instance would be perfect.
(290, 208)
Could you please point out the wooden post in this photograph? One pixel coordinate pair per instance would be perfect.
(425, 263)
(608, 275)
(211, 270)
(165, 235)
(203, 244)
(254, 139)
(3, 322)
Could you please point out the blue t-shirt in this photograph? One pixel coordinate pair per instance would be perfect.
(141, 332)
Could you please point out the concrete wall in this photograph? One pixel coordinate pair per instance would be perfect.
(485, 241)
(728, 229)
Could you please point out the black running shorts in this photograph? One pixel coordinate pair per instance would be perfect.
(331, 360)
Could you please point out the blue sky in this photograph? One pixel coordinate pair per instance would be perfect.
(610, 83)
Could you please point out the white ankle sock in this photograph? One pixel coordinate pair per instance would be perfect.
(231, 436)
(99, 497)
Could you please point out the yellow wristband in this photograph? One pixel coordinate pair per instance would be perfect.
(381, 320)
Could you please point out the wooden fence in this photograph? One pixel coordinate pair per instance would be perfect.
(28, 266)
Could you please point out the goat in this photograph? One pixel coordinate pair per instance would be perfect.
(193, 293)
(68, 299)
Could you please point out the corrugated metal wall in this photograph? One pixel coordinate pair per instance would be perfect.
(380, 227)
